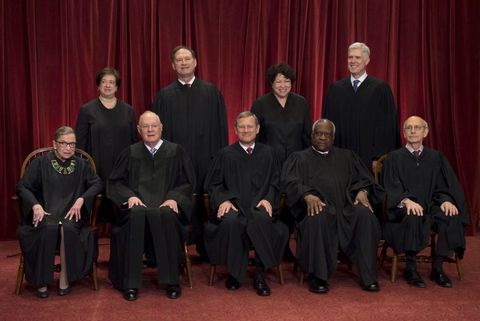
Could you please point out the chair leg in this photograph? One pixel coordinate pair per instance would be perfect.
(188, 265)
(458, 263)
(20, 273)
(394, 267)
(280, 273)
(213, 269)
(302, 276)
(94, 276)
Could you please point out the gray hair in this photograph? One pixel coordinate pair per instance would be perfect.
(360, 45)
(64, 130)
(324, 120)
(246, 114)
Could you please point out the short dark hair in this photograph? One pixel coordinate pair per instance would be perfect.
(108, 71)
(283, 69)
(64, 130)
(177, 48)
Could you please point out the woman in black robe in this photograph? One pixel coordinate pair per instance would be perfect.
(56, 191)
(285, 123)
(105, 127)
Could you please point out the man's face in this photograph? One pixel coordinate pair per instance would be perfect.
(247, 130)
(65, 146)
(357, 62)
(184, 63)
(414, 130)
(150, 129)
(281, 86)
(322, 136)
(108, 86)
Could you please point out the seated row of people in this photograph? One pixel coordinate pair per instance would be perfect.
(329, 191)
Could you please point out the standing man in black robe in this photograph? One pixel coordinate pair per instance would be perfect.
(363, 109)
(152, 183)
(194, 116)
(243, 187)
(423, 194)
(328, 192)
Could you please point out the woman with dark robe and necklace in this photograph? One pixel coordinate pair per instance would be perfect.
(57, 191)
(105, 127)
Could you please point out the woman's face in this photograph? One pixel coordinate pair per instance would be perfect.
(108, 86)
(65, 146)
(281, 86)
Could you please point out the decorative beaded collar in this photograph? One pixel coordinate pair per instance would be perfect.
(64, 170)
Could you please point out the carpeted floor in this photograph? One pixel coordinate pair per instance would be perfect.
(345, 301)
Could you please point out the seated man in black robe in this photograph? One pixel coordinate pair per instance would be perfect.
(423, 194)
(57, 193)
(152, 183)
(243, 187)
(328, 191)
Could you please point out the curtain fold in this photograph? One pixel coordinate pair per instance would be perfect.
(50, 51)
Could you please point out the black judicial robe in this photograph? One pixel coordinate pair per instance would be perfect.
(336, 180)
(244, 180)
(287, 129)
(154, 179)
(104, 133)
(195, 118)
(366, 121)
(429, 181)
(42, 184)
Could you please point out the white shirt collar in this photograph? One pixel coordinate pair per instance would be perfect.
(246, 146)
(361, 78)
(320, 152)
(157, 146)
(190, 82)
(411, 149)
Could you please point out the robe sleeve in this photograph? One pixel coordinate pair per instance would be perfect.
(118, 189)
(215, 185)
(222, 121)
(30, 186)
(362, 179)
(93, 183)
(386, 132)
(184, 183)
(82, 129)
(295, 189)
(307, 126)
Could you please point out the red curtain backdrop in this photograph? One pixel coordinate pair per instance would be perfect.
(51, 50)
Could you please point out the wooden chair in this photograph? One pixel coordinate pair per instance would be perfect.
(18, 210)
(395, 257)
(213, 267)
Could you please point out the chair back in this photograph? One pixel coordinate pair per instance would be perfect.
(378, 170)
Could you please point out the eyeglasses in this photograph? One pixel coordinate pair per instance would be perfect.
(416, 128)
(65, 144)
(155, 126)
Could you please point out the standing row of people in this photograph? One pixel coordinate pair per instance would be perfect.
(329, 190)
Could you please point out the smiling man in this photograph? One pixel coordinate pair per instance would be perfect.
(243, 187)
(363, 109)
(329, 191)
(194, 116)
(152, 183)
(423, 194)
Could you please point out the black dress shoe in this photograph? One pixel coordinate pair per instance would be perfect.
(65, 291)
(231, 283)
(372, 287)
(41, 294)
(261, 286)
(130, 294)
(441, 279)
(414, 279)
(318, 285)
(174, 291)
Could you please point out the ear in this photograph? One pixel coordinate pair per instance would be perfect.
(425, 132)
(54, 145)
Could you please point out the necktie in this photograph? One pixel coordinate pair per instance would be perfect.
(187, 85)
(355, 85)
(416, 153)
(153, 151)
(249, 150)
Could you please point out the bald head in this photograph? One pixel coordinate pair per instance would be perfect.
(415, 129)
